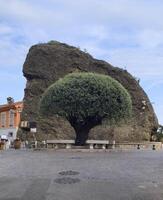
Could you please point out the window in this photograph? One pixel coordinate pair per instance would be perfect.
(11, 118)
(3, 119)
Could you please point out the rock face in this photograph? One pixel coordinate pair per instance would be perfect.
(46, 63)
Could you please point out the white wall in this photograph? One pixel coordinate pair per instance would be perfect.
(6, 131)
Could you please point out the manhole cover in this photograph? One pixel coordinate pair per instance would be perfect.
(68, 173)
(67, 180)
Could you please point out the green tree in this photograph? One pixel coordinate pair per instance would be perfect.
(85, 99)
(159, 134)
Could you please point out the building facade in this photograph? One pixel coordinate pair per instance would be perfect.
(10, 119)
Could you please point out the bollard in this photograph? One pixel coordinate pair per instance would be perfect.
(138, 147)
(153, 147)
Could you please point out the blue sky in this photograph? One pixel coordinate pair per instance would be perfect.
(126, 33)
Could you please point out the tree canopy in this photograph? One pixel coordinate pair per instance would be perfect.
(85, 99)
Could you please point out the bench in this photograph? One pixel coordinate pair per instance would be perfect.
(69, 143)
(139, 145)
(103, 143)
(55, 143)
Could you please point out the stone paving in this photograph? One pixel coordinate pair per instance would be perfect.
(50, 175)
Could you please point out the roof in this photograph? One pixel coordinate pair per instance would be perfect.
(6, 107)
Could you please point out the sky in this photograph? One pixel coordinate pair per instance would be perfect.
(125, 33)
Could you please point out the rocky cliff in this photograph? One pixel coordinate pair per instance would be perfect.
(46, 63)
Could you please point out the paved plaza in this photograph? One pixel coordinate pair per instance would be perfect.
(51, 175)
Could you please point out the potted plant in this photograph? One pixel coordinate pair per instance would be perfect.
(2, 145)
(17, 143)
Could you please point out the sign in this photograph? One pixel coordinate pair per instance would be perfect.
(33, 130)
(24, 124)
(28, 125)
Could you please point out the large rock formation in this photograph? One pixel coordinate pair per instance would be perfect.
(46, 63)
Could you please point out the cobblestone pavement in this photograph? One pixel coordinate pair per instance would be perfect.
(50, 175)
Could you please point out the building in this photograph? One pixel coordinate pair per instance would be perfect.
(10, 118)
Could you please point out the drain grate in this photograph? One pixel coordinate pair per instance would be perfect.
(67, 180)
(68, 173)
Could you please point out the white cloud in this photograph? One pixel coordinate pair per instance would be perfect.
(4, 29)
(115, 12)
(139, 14)
(20, 10)
(141, 62)
(151, 38)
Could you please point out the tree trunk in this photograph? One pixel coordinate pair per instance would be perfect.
(81, 136)
(82, 128)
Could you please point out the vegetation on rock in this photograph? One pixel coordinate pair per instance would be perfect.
(159, 134)
(85, 99)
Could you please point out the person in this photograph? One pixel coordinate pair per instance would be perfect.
(7, 144)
